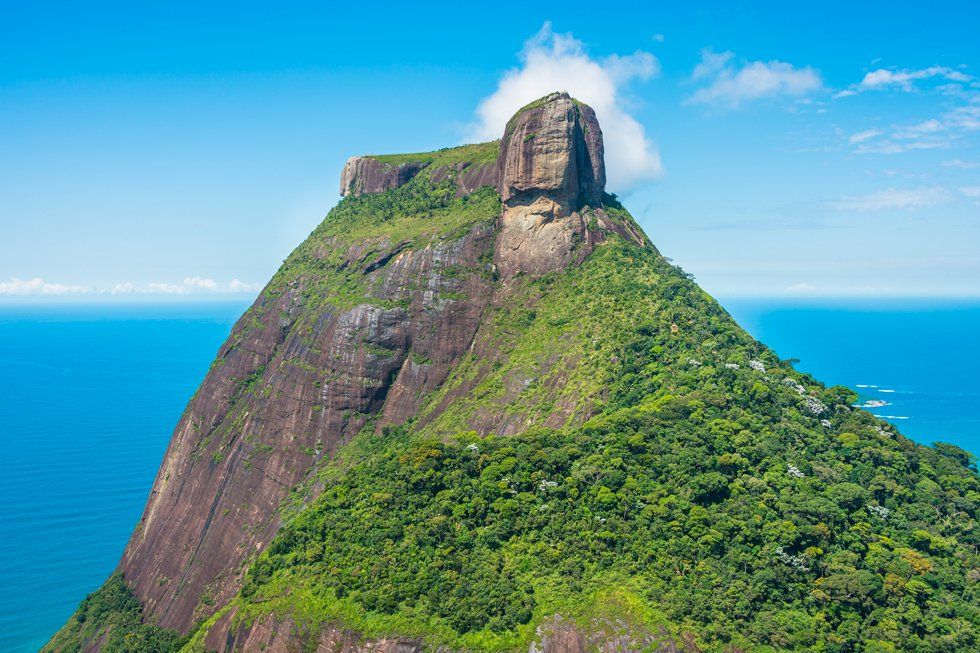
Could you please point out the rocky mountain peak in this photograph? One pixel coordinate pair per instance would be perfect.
(551, 181)
(553, 148)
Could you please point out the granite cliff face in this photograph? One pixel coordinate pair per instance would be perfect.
(553, 148)
(287, 389)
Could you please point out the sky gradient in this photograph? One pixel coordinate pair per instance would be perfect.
(183, 151)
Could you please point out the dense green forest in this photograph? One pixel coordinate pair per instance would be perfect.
(718, 488)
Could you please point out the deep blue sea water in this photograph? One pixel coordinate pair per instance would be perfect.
(89, 396)
(922, 357)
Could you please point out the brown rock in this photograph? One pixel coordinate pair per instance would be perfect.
(469, 177)
(364, 174)
(274, 635)
(280, 399)
(553, 148)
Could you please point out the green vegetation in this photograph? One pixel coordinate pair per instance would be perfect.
(114, 615)
(409, 217)
(476, 154)
(705, 489)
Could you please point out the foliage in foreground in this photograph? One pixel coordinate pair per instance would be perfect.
(113, 614)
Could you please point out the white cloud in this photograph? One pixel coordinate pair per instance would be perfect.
(962, 165)
(971, 191)
(894, 198)
(905, 79)
(166, 289)
(198, 283)
(865, 135)
(552, 62)
(801, 288)
(929, 134)
(711, 63)
(918, 130)
(38, 286)
(965, 118)
(189, 286)
(731, 84)
(243, 287)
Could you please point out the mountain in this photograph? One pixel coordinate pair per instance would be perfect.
(478, 410)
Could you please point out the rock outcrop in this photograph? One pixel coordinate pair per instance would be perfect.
(551, 179)
(553, 148)
(236, 454)
(365, 174)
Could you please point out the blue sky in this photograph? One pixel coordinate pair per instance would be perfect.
(183, 150)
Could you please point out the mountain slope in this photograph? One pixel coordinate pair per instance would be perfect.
(496, 418)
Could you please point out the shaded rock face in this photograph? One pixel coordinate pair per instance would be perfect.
(363, 174)
(551, 169)
(235, 456)
(469, 177)
(555, 150)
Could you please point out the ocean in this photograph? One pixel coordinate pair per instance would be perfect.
(89, 396)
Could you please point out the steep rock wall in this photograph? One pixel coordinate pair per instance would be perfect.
(235, 456)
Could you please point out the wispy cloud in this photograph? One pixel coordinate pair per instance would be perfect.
(730, 84)
(962, 165)
(189, 286)
(802, 288)
(38, 286)
(930, 134)
(243, 287)
(865, 135)
(904, 80)
(553, 62)
(971, 191)
(895, 199)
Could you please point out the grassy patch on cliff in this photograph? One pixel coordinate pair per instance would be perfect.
(475, 154)
(723, 492)
(368, 227)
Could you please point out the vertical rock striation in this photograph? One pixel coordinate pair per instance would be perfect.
(552, 179)
(553, 148)
(364, 174)
(287, 389)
